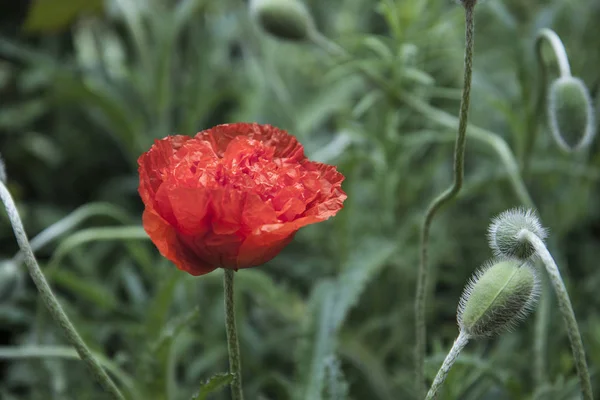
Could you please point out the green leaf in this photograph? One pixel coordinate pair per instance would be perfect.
(319, 343)
(158, 310)
(213, 384)
(173, 328)
(19, 115)
(55, 15)
(377, 46)
(330, 304)
(121, 233)
(71, 221)
(83, 288)
(285, 300)
(24, 352)
(163, 372)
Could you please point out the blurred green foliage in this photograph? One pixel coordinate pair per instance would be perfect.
(332, 315)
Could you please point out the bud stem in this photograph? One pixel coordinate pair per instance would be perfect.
(459, 344)
(50, 300)
(444, 198)
(542, 318)
(564, 303)
(562, 60)
(233, 345)
(557, 47)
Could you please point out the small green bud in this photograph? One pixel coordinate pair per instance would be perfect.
(284, 19)
(498, 296)
(503, 233)
(570, 113)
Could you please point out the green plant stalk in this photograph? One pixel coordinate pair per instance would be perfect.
(233, 345)
(564, 304)
(558, 49)
(560, 54)
(459, 344)
(442, 200)
(50, 300)
(542, 320)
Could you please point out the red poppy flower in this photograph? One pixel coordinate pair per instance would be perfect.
(232, 196)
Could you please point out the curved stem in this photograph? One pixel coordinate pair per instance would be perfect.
(443, 199)
(50, 300)
(542, 319)
(564, 304)
(460, 342)
(557, 47)
(233, 345)
(560, 54)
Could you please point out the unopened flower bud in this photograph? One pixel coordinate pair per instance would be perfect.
(284, 19)
(498, 296)
(570, 113)
(503, 233)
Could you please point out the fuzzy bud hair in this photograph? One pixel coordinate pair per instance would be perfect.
(498, 296)
(503, 233)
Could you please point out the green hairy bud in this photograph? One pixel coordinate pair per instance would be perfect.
(499, 295)
(284, 19)
(570, 113)
(503, 233)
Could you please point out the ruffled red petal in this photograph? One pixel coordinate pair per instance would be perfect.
(233, 196)
(153, 164)
(166, 239)
(285, 145)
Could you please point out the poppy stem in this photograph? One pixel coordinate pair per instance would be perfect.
(566, 309)
(459, 344)
(233, 346)
(542, 322)
(442, 200)
(50, 300)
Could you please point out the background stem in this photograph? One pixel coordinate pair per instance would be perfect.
(460, 342)
(558, 49)
(542, 320)
(564, 304)
(233, 345)
(441, 200)
(50, 300)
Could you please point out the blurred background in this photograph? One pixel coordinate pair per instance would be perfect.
(85, 88)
